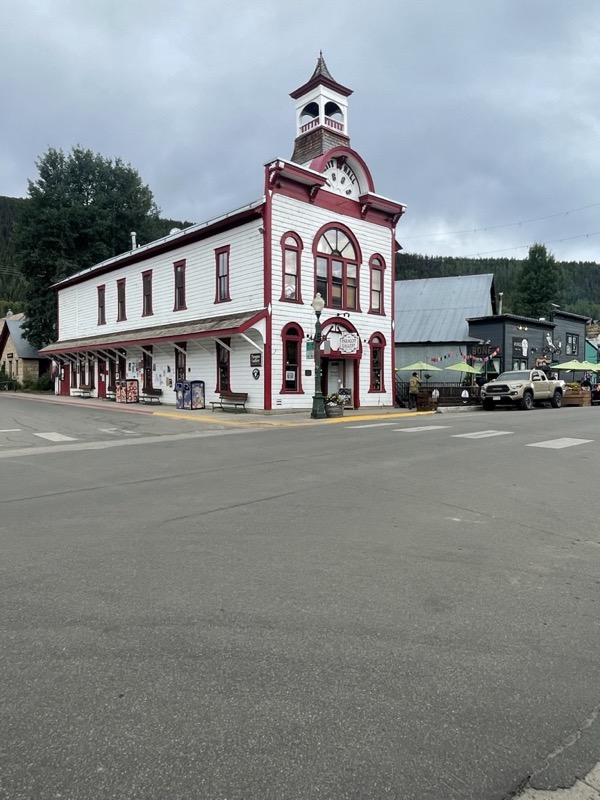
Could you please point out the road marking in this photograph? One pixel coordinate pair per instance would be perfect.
(558, 444)
(421, 428)
(16, 430)
(56, 437)
(108, 444)
(480, 434)
(118, 431)
(372, 425)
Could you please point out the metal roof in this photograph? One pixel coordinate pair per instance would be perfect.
(210, 326)
(22, 346)
(436, 309)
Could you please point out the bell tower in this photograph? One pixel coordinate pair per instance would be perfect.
(321, 115)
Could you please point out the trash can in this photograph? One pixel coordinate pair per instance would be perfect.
(179, 394)
(197, 394)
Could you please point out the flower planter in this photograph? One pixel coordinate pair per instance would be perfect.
(576, 397)
(334, 411)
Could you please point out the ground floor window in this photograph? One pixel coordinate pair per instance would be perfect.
(180, 362)
(377, 345)
(292, 337)
(147, 368)
(223, 365)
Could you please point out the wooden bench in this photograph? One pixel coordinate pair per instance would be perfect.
(232, 400)
(151, 396)
(82, 391)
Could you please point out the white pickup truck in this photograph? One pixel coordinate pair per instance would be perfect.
(522, 388)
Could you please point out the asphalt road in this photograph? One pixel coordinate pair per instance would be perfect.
(373, 609)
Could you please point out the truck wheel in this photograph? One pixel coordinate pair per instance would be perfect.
(526, 403)
(556, 401)
(488, 405)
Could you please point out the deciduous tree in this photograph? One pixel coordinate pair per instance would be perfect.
(81, 210)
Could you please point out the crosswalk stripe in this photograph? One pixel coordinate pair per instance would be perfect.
(480, 434)
(16, 430)
(558, 444)
(372, 425)
(421, 428)
(56, 437)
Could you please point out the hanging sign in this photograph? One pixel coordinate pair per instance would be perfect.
(349, 343)
(310, 350)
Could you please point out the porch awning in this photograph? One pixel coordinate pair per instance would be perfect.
(201, 328)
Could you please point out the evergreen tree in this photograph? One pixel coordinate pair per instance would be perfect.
(539, 283)
(80, 211)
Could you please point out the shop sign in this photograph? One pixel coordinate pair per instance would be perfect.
(256, 359)
(349, 343)
(310, 350)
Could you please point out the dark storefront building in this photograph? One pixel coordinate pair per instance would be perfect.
(508, 341)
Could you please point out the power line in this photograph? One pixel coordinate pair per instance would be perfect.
(506, 225)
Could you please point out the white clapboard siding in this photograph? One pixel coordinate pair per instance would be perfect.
(78, 304)
(373, 239)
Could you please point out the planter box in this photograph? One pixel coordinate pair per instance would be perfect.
(334, 411)
(576, 397)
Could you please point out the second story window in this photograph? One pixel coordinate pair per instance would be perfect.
(121, 308)
(101, 305)
(179, 279)
(291, 251)
(336, 270)
(572, 343)
(377, 271)
(222, 266)
(147, 294)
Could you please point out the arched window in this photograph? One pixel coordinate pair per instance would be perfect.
(291, 252)
(336, 269)
(377, 376)
(292, 336)
(377, 269)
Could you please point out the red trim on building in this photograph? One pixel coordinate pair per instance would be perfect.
(268, 294)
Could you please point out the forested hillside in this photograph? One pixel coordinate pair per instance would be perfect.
(12, 285)
(580, 279)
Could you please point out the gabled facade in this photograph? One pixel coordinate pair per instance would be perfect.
(18, 359)
(228, 302)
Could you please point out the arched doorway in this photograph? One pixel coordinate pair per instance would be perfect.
(340, 358)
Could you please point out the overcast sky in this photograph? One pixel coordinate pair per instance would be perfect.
(476, 114)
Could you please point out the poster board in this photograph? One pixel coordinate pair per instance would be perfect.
(347, 395)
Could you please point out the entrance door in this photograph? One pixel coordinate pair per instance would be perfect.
(335, 376)
(64, 383)
(101, 377)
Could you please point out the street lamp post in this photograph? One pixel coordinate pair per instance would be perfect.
(318, 406)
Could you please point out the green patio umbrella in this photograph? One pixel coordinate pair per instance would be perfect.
(418, 366)
(464, 368)
(574, 366)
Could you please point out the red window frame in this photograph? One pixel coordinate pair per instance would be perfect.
(121, 300)
(180, 361)
(377, 346)
(337, 257)
(179, 303)
(102, 305)
(147, 367)
(292, 337)
(291, 267)
(223, 357)
(222, 255)
(377, 267)
(147, 310)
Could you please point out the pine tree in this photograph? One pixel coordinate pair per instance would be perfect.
(539, 283)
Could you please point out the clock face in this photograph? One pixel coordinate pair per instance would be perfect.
(341, 179)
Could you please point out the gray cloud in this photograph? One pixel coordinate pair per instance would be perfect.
(475, 114)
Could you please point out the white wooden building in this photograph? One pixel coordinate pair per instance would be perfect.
(228, 302)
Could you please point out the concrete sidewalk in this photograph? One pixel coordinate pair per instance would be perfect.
(278, 417)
